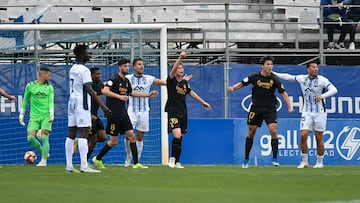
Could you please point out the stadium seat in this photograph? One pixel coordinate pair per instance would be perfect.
(108, 6)
(166, 16)
(308, 20)
(188, 19)
(96, 2)
(70, 17)
(314, 5)
(146, 16)
(4, 17)
(50, 17)
(179, 5)
(83, 9)
(294, 8)
(94, 17)
(132, 3)
(121, 16)
(154, 5)
(16, 8)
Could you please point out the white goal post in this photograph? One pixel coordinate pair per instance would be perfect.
(163, 57)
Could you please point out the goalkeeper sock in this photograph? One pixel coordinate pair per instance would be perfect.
(275, 147)
(248, 145)
(134, 152)
(35, 143)
(45, 146)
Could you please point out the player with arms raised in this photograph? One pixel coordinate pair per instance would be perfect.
(314, 88)
(178, 88)
(263, 105)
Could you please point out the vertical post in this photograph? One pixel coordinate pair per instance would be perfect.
(226, 65)
(163, 76)
(321, 40)
(36, 51)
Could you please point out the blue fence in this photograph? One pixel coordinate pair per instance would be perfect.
(211, 138)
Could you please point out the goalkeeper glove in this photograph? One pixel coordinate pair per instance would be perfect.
(52, 116)
(21, 117)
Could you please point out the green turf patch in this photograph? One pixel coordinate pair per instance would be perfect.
(157, 184)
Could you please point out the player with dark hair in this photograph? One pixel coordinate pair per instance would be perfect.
(178, 88)
(314, 88)
(138, 107)
(40, 94)
(117, 89)
(96, 131)
(79, 115)
(5, 94)
(263, 105)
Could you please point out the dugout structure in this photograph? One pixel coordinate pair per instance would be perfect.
(30, 46)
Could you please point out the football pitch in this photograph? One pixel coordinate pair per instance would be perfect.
(157, 184)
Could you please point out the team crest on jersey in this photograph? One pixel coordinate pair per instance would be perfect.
(40, 95)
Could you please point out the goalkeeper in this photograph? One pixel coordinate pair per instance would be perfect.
(40, 94)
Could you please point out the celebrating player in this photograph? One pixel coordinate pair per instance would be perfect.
(178, 88)
(79, 115)
(116, 90)
(263, 105)
(40, 94)
(314, 114)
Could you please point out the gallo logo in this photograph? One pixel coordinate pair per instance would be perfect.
(246, 103)
(348, 142)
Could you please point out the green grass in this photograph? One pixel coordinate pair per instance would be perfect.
(157, 184)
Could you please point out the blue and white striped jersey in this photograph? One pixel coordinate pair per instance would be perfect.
(143, 85)
(310, 89)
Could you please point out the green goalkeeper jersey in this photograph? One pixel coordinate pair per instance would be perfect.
(41, 97)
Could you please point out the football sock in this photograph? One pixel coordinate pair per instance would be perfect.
(320, 159)
(176, 148)
(69, 150)
(304, 157)
(83, 150)
(127, 147)
(45, 146)
(134, 152)
(89, 153)
(103, 151)
(140, 146)
(275, 147)
(35, 143)
(248, 146)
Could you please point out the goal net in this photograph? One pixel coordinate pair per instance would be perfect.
(25, 48)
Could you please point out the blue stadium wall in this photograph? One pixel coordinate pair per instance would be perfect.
(211, 138)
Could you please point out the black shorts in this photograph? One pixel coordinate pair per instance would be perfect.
(118, 125)
(259, 113)
(176, 121)
(96, 125)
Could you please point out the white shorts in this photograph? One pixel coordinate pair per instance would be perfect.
(139, 120)
(78, 116)
(313, 121)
